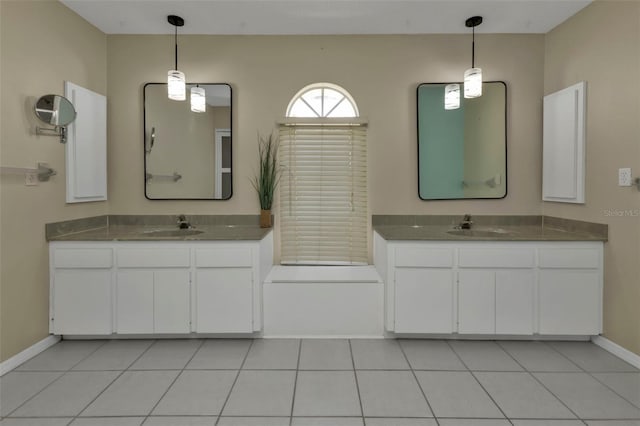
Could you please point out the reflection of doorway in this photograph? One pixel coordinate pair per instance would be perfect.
(222, 171)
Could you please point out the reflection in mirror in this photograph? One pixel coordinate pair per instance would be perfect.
(462, 153)
(55, 110)
(187, 154)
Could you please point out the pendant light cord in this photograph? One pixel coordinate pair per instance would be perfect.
(176, 44)
(473, 48)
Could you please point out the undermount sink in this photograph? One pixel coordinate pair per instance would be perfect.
(173, 232)
(477, 232)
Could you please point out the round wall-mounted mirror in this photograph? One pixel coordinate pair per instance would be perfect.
(55, 110)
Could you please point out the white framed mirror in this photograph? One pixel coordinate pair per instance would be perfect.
(187, 154)
(462, 152)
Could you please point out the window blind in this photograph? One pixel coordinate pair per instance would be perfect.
(323, 194)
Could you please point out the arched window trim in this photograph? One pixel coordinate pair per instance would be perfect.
(299, 97)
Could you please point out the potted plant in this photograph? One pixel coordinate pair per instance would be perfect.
(266, 179)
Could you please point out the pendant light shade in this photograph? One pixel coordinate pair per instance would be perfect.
(176, 88)
(452, 96)
(473, 76)
(198, 99)
(473, 83)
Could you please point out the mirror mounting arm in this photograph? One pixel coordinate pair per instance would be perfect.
(60, 131)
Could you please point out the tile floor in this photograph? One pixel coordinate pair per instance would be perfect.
(321, 382)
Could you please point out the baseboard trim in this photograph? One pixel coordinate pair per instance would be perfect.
(322, 336)
(617, 350)
(33, 350)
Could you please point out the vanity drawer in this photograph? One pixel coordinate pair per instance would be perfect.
(153, 258)
(424, 257)
(224, 257)
(569, 258)
(83, 258)
(507, 257)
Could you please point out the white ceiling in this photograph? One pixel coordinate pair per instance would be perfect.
(324, 16)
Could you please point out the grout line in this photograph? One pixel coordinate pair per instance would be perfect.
(244, 359)
(355, 374)
(62, 374)
(335, 370)
(582, 370)
(295, 382)
(116, 378)
(478, 381)
(457, 355)
(592, 373)
(415, 377)
(612, 389)
(174, 380)
(542, 384)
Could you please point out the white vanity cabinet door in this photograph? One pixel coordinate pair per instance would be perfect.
(476, 302)
(570, 289)
(423, 300)
(81, 301)
(224, 300)
(80, 283)
(134, 302)
(514, 302)
(171, 301)
(495, 301)
(569, 302)
(153, 301)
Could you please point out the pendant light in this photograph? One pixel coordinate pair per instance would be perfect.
(198, 99)
(176, 88)
(452, 96)
(473, 76)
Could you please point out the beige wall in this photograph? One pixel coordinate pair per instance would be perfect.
(381, 72)
(42, 44)
(601, 45)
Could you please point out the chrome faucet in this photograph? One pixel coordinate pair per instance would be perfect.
(183, 223)
(466, 222)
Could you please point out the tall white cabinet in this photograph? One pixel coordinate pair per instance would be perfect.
(168, 288)
(563, 145)
(86, 147)
(491, 288)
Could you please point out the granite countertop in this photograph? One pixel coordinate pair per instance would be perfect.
(157, 233)
(494, 228)
(157, 228)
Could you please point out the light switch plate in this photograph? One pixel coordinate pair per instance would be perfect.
(624, 177)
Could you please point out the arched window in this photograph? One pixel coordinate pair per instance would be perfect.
(322, 100)
(323, 189)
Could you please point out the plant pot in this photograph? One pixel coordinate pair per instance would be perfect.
(265, 218)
